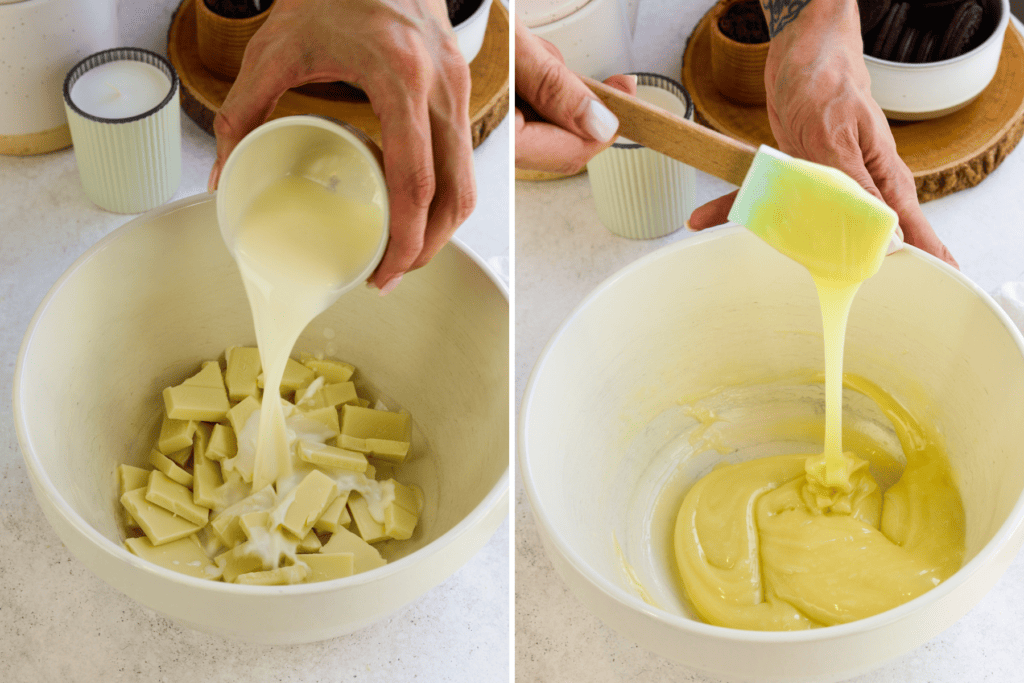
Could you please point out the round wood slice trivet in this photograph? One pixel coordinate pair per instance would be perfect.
(202, 92)
(946, 155)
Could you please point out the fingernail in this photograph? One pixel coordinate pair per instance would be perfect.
(686, 224)
(390, 285)
(636, 79)
(599, 122)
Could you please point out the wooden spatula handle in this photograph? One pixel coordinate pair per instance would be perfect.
(674, 136)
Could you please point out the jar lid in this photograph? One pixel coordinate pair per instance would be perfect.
(536, 13)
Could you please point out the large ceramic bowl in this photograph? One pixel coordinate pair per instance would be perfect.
(603, 433)
(912, 92)
(145, 305)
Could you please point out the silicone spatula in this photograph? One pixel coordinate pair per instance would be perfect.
(773, 186)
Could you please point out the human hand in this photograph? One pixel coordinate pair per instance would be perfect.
(560, 124)
(403, 54)
(820, 109)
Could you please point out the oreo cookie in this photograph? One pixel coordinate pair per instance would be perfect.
(905, 49)
(927, 47)
(892, 27)
(871, 13)
(965, 23)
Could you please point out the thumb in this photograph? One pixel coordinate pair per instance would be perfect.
(557, 94)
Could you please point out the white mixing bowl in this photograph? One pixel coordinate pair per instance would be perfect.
(145, 305)
(601, 413)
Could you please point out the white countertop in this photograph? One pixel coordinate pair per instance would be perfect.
(563, 252)
(59, 622)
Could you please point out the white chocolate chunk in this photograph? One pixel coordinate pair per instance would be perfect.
(159, 525)
(209, 376)
(399, 523)
(241, 559)
(325, 567)
(381, 433)
(331, 370)
(330, 456)
(185, 555)
(368, 528)
(180, 458)
(171, 469)
(207, 474)
(223, 444)
(308, 501)
(334, 516)
(408, 497)
(296, 377)
(282, 576)
(365, 555)
(196, 403)
(328, 417)
(243, 369)
(175, 434)
(175, 498)
(130, 478)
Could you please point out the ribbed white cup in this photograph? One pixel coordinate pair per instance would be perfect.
(640, 193)
(133, 164)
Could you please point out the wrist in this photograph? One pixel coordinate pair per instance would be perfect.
(809, 31)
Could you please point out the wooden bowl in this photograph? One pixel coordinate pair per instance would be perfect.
(737, 69)
(222, 41)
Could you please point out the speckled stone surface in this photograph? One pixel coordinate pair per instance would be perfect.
(58, 622)
(563, 252)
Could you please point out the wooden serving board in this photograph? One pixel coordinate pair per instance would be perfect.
(202, 92)
(946, 154)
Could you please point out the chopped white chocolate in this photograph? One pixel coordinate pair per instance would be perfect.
(185, 555)
(334, 516)
(331, 370)
(209, 376)
(332, 396)
(330, 456)
(381, 433)
(175, 498)
(307, 502)
(180, 458)
(175, 434)
(399, 523)
(242, 559)
(160, 525)
(207, 474)
(344, 541)
(130, 478)
(241, 413)
(326, 416)
(325, 567)
(368, 528)
(309, 544)
(169, 468)
(186, 402)
(282, 576)
(243, 369)
(223, 444)
(296, 377)
(408, 497)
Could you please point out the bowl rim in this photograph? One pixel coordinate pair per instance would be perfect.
(616, 593)
(998, 35)
(45, 484)
(485, 7)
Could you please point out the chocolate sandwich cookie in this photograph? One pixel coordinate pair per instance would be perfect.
(965, 23)
(892, 28)
(871, 13)
(926, 48)
(905, 49)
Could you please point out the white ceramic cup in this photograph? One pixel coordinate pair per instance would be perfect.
(331, 153)
(470, 33)
(914, 92)
(592, 35)
(39, 41)
(127, 164)
(640, 193)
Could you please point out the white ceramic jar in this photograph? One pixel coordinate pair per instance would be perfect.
(40, 40)
(592, 35)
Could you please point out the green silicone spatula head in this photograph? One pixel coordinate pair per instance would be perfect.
(816, 215)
